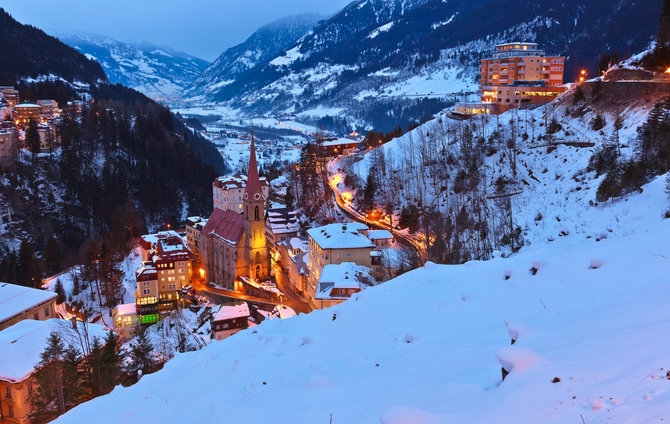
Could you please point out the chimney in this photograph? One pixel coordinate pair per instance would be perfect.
(74, 322)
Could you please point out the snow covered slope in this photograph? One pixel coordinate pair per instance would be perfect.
(263, 44)
(589, 327)
(156, 71)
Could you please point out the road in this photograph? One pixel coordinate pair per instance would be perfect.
(292, 298)
(220, 294)
(352, 213)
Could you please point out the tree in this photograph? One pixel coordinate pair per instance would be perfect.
(141, 354)
(49, 401)
(111, 357)
(369, 192)
(28, 267)
(289, 198)
(598, 123)
(33, 138)
(60, 292)
(52, 255)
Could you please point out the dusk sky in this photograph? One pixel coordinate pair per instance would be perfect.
(204, 28)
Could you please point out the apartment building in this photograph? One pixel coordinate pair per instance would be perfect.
(194, 226)
(18, 303)
(228, 192)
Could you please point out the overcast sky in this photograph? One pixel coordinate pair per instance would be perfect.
(204, 28)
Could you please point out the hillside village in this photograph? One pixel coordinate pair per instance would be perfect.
(503, 261)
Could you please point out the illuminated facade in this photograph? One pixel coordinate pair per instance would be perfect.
(228, 192)
(518, 74)
(25, 112)
(234, 245)
(160, 278)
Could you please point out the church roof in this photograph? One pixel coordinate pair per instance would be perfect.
(227, 225)
(253, 182)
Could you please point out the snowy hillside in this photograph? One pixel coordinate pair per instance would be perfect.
(588, 321)
(390, 62)
(263, 44)
(155, 71)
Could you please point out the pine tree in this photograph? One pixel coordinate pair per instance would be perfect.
(369, 192)
(60, 292)
(110, 362)
(52, 255)
(73, 390)
(141, 354)
(33, 138)
(49, 401)
(28, 267)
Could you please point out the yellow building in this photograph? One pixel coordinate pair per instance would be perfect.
(26, 112)
(20, 349)
(235, 245)
(335, 244)
(126, 321)
(159, 279)
(194, 226)
(18, 303)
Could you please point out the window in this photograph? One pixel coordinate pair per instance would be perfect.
(256, 213)
(8, 392)
(30, 388)
(10, 410)
(36, 316)
(47, 312)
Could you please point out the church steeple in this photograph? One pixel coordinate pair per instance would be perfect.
(253, 182)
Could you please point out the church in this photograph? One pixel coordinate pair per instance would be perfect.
(233, 244)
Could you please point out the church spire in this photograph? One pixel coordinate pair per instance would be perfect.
(253, 182)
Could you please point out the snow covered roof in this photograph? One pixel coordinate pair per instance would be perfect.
(379, 234)
(346, 275)
(27, 105)
(126, 309)
(22, 343)
(298, 243)
(238, 310)
(226, 225)
(283, 312)
(148, 241)
(15, 299)
(339, 236)
(339, 142)
(196, 222)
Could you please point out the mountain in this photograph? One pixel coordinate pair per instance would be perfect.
(267, 42)
(380, 63)
(28, 52)
(151, 168)
(156, 71)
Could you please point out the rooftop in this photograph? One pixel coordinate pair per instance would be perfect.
(22, 344)
(339, 236)
(346, 275)
(126, 309)
(227, 225)
(15, 299)
(238, 310)
(379, 234)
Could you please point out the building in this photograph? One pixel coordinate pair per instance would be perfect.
(334, 244)
(11, 94)
(228, 192)
(26, 112)
(338, 282)
(166, 269)
(47, 135)
(230, 319)
(281, 224)
(18, 303)
(382, 239)
(126, 321)
(8, 146)
(234, 245)
(194, 226)
(48, 109)
(294, 260)
(21, 346)
(338, 146)
(518, 74)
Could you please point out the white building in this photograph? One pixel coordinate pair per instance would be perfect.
(228, 192)
(339, 282)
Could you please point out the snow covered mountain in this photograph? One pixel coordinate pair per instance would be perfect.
(156, 71)
(580, 325)
(390, 62)
(267, 42)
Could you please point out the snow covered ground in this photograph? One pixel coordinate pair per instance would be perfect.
(428, 347)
